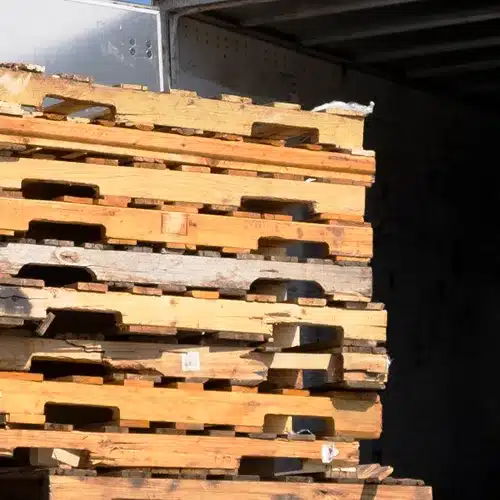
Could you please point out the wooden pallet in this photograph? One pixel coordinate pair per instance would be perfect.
(357, 415)
(238, 365)
(278, 320)
(129, 225)
(215, 191)
(73, 139)
(67, 487)
(350, 283)
(340, 128)
(115, 449)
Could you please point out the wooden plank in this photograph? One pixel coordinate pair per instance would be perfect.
(181, 228)
(184, 150)
(193, 314)
(170, 185)
(161, 450)
(353, 282)
(357, 415)
(342, 128)
(33, 377)
(97, 488)
(81, 379)
(239, 364)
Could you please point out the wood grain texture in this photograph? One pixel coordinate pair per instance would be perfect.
(74, 488)
(193, 187)
(160, 450)
(180, 149)
(216, 362)
(357, 415)
(192, 313)
(353, 282)
(192, 229)
(343, 129)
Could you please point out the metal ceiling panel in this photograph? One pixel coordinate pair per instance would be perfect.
(418, 42)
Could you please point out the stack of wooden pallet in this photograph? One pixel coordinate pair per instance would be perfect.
(157, 339)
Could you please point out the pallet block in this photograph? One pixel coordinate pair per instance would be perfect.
(183, 150)
(188, 229)
(357, 415)
(340, 282)
(74, 488)
(115, 449)
(340, 128)
(178, 186)
(241, 365)
(266, 319)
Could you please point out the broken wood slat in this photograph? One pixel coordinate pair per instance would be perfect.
(224, 315)
(100, 488)
(181, 228)
(42, 328)
(161, 450)
(185, 150)
(342, 128)
(238, 364)
(357, 415)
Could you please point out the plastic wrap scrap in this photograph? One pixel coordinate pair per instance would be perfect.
(347, 106)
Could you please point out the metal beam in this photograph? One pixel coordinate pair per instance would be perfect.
(305, 10)
(455, 68)
(426, 50)
(422, 22)
(202, 5)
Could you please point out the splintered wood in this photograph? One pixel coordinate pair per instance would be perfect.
(161, 332)
(268, 319)
(241, 365)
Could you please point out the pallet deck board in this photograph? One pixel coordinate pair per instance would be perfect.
(354, 282)
(183, 150)
(356, 415)
(74, 488)
(183, 228)
(114, 449)
(215, 362)
(194, 314)
(181, 186)
(343, 128)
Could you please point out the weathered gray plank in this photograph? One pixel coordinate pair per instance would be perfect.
(344, 282)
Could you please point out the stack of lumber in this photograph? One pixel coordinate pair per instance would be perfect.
(155, 337)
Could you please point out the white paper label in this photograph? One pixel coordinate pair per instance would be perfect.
(190, 361)
(66, 457)
(328, 453)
